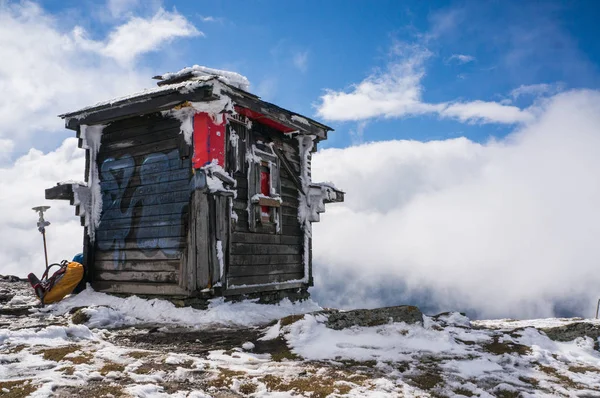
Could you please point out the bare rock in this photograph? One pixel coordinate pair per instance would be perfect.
(375, 317)
(572, 331)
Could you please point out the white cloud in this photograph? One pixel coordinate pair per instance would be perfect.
(6, 148)
(22, 187)
(398, 92)
(300, 60)
(139, 36)
(211, 19)
(505, 228)
(47, 70)
(121, 8)
(486, 112)
(535, 90)
(461, 58)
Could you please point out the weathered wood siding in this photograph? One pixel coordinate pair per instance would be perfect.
(145, 173)
(264, 257)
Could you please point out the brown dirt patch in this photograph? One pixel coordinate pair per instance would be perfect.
(290, 319)
(111, 367)
(564, 380)
(224, 378)
(499, 348)
(17, 388)
(59, 354)
(583, 369)
(315, 386)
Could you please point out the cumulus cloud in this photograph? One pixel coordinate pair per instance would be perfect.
(48, 68)
(398, 92)
(504, 228)
(139, 36)
(22, 187)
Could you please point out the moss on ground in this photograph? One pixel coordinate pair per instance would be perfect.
(225, 377)
(313, 385)
(248, 387)
(564, 380)
(463, 391)
(139, 354)
(427, 380)
(59, 354)
(499, 348)
(111, 367)
(290, 319)
(16, 388)
(583, 369)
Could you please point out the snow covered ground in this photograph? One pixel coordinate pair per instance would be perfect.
(150, 348)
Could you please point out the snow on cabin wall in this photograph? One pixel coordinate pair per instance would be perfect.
(91, 199)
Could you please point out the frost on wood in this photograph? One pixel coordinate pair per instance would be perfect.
(91, 200)
(185, 113)
(234, 139)
(232, 78)
(306, 144)
(300, 119)
(216, 176)
(186, 116)
(220, 258)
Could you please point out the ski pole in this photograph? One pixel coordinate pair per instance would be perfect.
(42, 224)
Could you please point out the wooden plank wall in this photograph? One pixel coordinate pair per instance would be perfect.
(145, 174)
(259, 257)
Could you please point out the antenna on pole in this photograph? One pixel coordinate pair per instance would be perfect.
(42, 224)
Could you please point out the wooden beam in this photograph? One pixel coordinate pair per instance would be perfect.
(232, 291)
(60, 192)
(269, 202)
(136, 106)
(160, 289)
(278, 114)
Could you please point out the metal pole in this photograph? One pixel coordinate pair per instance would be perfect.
(597, 308)
(45, 250)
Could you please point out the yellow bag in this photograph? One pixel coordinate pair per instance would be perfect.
(62, 282)
(65, 283)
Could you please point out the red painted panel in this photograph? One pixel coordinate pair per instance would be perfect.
(209, 139)
(259, 117)
(265, 188)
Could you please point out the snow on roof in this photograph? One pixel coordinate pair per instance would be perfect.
(232, 78)
(183, 87)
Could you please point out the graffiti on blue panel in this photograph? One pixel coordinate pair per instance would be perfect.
(166, 238)
(142, 205)
(116, 175)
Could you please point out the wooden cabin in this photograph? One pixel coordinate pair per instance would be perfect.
(196, 188)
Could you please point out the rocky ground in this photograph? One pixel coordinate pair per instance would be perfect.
(94, 345)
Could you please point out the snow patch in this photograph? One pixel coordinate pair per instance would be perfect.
(231, 78)
(300, 119)
(111, 311)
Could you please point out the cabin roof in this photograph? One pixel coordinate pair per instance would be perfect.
(192, 85)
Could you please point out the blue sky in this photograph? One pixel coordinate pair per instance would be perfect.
(293, 52)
